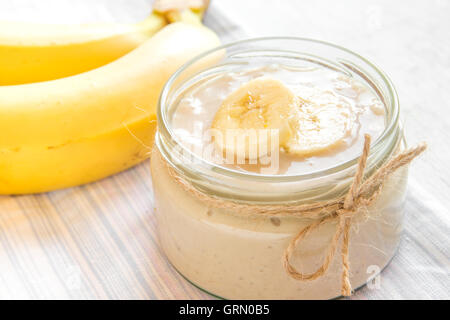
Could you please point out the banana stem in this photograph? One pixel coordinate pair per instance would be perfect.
(190, 11)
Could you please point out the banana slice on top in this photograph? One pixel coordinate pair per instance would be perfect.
(306, 126)
(249, 115)
(321, 124)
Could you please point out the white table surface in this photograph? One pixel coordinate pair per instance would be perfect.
(410, 40)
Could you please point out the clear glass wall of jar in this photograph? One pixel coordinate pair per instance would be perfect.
(239, 256)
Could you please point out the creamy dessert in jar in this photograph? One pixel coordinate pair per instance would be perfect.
(264, 129)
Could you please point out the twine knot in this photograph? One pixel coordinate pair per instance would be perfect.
(359, 196)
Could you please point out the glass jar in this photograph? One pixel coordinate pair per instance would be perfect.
(238, 256)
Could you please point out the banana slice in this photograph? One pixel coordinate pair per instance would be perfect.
(313, 124)
(320, 124)
(249, 116)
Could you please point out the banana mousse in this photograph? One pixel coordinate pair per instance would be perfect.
(262, 134)
(319, 117)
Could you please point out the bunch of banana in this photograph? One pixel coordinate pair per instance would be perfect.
(81, 128)
(38, 52)
(305, 127)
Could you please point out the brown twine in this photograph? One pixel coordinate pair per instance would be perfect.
(359, 196)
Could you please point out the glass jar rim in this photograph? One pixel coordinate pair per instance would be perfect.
(164, 126)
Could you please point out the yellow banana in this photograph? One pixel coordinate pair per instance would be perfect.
(38, 52)
(85, 127)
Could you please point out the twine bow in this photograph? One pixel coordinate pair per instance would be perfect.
(360, 195)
